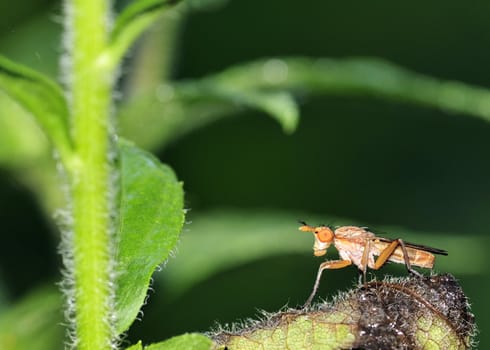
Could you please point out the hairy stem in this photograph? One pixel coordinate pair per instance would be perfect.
(90, 94)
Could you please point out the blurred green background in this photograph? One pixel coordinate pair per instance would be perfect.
(413, 172)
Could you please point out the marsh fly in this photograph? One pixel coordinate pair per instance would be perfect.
(358, 246)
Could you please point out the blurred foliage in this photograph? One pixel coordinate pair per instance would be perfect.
(269, 85)
(33, 323)
(41, 97)
(415, 172)
(22, 140)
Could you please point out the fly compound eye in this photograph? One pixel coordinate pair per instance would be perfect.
(324, 234)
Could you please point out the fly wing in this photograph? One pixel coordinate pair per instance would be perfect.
(416, 246)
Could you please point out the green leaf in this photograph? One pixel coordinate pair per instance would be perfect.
(136, 346)
(151, 217)
(33, 323)
(129, 25)
(358, 76)
(41, 97)
(22, 142)
(183, 107)
(175, 109)
(279, 105)
(430, 312)
(190, 341)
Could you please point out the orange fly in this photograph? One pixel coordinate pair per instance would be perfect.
(358, 246)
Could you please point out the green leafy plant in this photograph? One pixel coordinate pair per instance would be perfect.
(124, 210)
(110, 182)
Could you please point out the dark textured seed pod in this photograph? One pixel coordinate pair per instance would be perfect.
(402, 313)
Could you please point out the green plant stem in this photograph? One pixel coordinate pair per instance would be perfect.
(90, 82)
(152, 62)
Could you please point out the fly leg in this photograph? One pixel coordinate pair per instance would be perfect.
(362, 278)
(388, 251)
(333, 264)
(364, 263)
